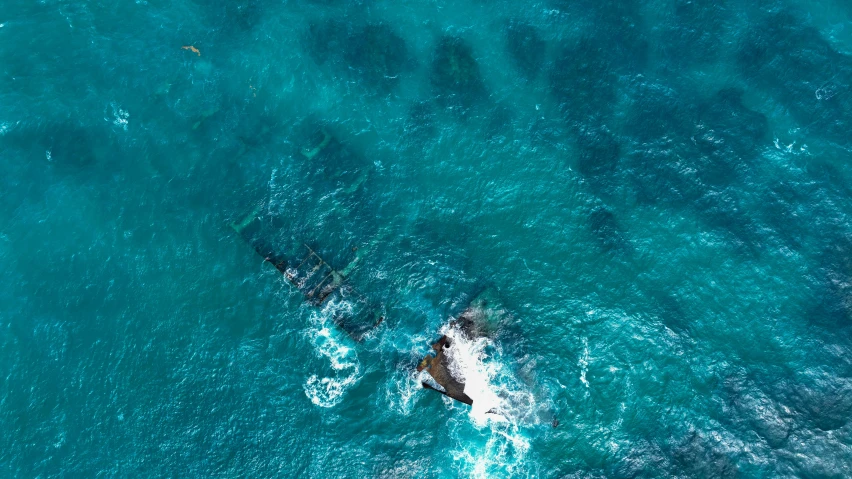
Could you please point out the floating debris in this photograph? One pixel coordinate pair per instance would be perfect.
(192, 49)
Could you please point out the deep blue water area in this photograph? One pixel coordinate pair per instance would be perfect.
(658, 193)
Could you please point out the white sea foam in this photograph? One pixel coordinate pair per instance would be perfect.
(498, 396)
(402, 391)
(500, 450)
(120, 116)
(584, 363)
(502, 409)
(331, 344)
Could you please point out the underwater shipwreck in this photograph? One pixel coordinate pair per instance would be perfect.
(445, 369)
(322, 273)
(312, 275)
(307, 266)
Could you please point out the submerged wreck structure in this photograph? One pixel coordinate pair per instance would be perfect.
(313, 276)
(333, 171)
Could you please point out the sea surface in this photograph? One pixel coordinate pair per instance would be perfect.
(657, 192)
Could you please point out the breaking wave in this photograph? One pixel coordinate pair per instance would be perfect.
(494, 443)
(498, 396)
(333, 346)
(500, 450)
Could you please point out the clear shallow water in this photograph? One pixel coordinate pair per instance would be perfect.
(658, 191)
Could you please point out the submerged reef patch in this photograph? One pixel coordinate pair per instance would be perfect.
(583, 83)
(378, 55)
(374, 54)
(616, 27)
(326, 41)
(697, 456)
(728, 137)
(606, 230)
(693, 33)
(456, 78)
(419, 126)
(802, 71)
(598, 156)
(233, 16)
(526, 48)
(65, 144)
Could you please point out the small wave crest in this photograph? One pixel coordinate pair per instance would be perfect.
(330, 344)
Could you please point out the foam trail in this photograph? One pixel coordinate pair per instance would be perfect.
(331, 344)
(584, 363)
(402, 391)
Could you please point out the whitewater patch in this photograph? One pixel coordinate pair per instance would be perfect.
(402, 391)
(583, 363)
(499, 451)
(330, 344)
(498, 396)
(494, 443)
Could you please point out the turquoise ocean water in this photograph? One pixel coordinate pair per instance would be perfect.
(657, 192)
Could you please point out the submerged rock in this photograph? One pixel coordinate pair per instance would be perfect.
(582, 81)
(378, 56)
(729, 136)
(526, 48)
(616, 27)
(605, 228)
(375, 55)
(455, 73)
(698, 456)
(233, 16)
(751, 407)
(70, 145)
(694, 32)
(326, 41)
(802, 71)
(419, 127)
(65, 145)
(598, 155)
